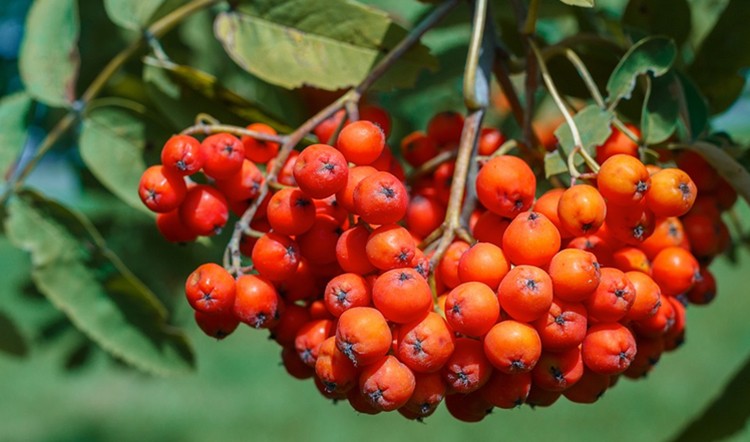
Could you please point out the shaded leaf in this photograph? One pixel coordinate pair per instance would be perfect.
(593, 124)
(131, 14)
(583, 3)
(726, 416)
(12, 341)
(79, 275)
(111, 145)
(664, 17)
(49, 58)
(722, 55)
(14, 111)
(329, 44)
(652, 54)
(660, 109)
(696, 106)
(209, 87)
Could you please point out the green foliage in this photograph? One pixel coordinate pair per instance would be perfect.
(131, 14)
(49, 55)
(660, 113)
(14, 111)
(652, 54)
(723, 53)
(301, 47)
(593, 124)
(74, 269)
(111, 145)
(670, 18)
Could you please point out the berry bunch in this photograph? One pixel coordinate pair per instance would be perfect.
(558, 295)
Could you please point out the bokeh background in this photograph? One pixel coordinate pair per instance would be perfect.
(64, 389)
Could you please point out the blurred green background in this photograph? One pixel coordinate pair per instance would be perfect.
(64, 389)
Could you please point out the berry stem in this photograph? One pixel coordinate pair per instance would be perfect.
(547, 78)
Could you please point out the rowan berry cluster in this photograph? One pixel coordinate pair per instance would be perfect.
(558, 295)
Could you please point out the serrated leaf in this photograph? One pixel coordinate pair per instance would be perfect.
(593, 124)
(329, 44)
(208, 86)
(582, 3)
(14, 110)
(726, 416)
(131, 14)
(49, 58)
(660, 109)
(653, 55)
(664, 17)
(554, 163)
(111, 145)
(722, 56)
(74, 269)
(12, 341)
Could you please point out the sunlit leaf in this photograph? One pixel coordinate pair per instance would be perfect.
(583, 3)
(593, 124)
(554, 163)
(49, 57)
(74, 269)
(131, 14)
(652, 54)
(329, 44)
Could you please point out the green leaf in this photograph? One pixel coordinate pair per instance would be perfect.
(14, 110)
(554, 163)
(582, 3)
(722, 55)
(661, 108)
(697, 107)
(74, 269)
(593, 124)
(329, 44)
(726, 416)
(208, 86)
(111, 145)
(131, 14)
(664, 17)
(49, 57)
(652, 54)
(12, 341)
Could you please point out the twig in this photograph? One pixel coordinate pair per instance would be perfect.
(547, 78)
(431, 165)
(208, 129)
(295, 137)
